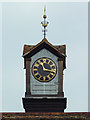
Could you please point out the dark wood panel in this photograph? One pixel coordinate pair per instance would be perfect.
(44, 104)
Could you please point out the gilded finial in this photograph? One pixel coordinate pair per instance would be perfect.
(44, 23)
(44, 12)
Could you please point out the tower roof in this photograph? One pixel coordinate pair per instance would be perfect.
(58, 50)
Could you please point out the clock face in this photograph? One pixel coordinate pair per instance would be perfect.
(44, 69)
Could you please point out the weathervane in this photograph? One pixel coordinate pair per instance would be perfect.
(44, 23)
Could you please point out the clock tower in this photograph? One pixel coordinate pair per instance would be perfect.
(44, 64)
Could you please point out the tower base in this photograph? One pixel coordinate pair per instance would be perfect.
(44, 104)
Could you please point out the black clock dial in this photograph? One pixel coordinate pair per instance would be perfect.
(44, 69)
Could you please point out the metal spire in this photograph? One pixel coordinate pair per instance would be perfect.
(44, 23)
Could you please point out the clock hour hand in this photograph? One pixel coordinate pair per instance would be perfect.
(42, 66)
(46, 69)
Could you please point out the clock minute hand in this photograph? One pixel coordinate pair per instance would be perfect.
(49, 70)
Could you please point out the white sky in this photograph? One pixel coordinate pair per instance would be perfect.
(68, 24)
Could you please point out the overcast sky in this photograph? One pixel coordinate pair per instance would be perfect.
(68, 24)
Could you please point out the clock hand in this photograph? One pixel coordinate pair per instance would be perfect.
(46, 69)
(49, 70)
(42, 66)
